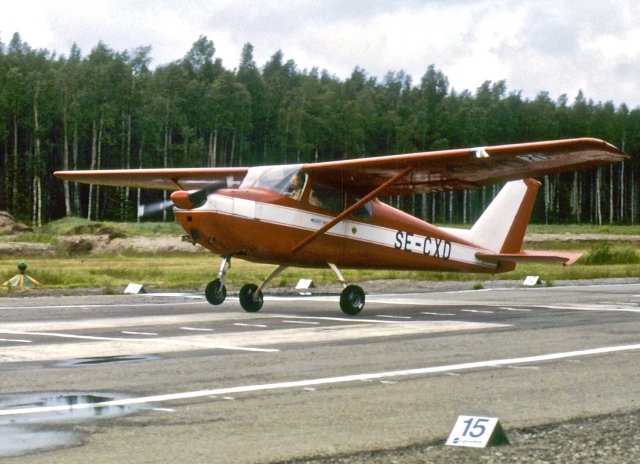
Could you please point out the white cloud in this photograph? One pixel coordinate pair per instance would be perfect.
(544, 45)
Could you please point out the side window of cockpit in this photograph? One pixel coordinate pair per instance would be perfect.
(296, 185)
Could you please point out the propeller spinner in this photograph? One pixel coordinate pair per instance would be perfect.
(183, 199)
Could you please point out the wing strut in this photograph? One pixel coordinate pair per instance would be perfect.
(350, 210)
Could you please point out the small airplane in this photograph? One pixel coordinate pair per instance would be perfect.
(329, 213)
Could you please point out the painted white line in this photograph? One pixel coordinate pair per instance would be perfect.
(302, 322)
(355, 320)
(604, 308)
(106, 305)
(240, 324)
(161, 341)
(164, 409)
(120, 323)
(475, 311)
(437, 314)
(224, 392)
(241, 340)
(196, 329)
(126, 332)
(523, 310)
(393, 317)
(15, 340)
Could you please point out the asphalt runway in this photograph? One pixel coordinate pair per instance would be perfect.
(164, 378)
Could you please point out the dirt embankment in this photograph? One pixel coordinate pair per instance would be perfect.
(86, 239)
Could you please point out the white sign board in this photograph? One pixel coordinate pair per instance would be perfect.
(304, 284)
(134, 289)
(476, 432)
(532, 281)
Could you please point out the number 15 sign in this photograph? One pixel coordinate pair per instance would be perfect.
(477, 432)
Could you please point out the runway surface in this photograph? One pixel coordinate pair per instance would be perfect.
(168, 377)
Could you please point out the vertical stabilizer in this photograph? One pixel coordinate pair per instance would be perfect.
(502, 226)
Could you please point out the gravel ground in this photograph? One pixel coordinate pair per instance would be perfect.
(601, 439)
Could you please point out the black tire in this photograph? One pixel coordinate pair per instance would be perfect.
(215, 292)
(352, 300)
(249, 300)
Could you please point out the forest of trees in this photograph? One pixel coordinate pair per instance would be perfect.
(108, 109)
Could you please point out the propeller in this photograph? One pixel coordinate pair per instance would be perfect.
(183, 199)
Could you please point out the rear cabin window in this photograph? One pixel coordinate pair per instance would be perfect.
(332, 199)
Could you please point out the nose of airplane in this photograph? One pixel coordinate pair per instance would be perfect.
(181, 199)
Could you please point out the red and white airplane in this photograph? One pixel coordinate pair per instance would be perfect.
(329, 214)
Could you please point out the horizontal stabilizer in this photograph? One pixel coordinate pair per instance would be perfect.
(531, 256)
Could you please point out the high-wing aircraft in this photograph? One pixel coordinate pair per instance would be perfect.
(329, 214)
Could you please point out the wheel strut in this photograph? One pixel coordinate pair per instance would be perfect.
(216, 291)
(251, 297)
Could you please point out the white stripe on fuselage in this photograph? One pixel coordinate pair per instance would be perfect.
(377, 235)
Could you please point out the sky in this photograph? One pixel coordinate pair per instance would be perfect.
(555, 46)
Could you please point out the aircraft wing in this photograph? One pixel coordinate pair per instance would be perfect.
(461, 169)
(164, 179)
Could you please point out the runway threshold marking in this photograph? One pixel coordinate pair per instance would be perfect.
(225, 392)
(143, 340)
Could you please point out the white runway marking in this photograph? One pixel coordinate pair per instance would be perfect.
(122, 346)
(476, 311)
(265, 340)
(336, 319)
(516, 309)
(437, 314)
(579, 307)
(15, 340)
(225, 392)
(302, 322)
(126, 332)
(118, 322)
(241, 324)
(393, 317)
(196, 329)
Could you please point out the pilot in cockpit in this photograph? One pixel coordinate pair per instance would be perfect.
(296, 186)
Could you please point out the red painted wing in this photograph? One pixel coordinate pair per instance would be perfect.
(466, 168)
(164, 179)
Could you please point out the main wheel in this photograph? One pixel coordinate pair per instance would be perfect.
(215, 292)
(352, 300)
(249, 300)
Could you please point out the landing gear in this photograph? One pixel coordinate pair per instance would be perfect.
(251, 298)
(352, 296)
(216, 291)
(352, 300)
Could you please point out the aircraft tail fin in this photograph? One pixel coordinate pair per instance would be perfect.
(502, 226)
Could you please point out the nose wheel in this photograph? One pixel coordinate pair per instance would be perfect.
(215, 292)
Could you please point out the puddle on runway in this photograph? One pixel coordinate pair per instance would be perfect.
(27, 433)
(102, 360)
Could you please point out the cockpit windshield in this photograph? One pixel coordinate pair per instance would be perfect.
(275, 178)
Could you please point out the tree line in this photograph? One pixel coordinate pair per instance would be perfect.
(109, 109)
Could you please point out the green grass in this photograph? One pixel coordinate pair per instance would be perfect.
(194, 270)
